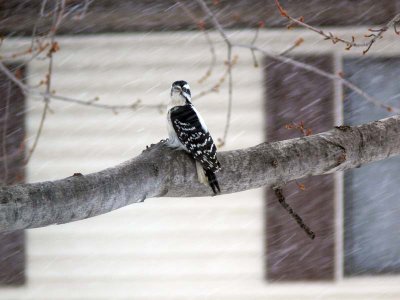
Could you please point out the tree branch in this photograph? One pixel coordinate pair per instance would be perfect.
(375, 34)
(162, 172)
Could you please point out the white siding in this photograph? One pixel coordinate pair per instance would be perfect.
(196, 248)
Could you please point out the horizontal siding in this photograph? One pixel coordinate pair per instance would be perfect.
(233, 289)
(194, 221)
(231, 243)
(142, 268)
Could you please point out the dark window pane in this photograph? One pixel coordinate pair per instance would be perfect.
(12, 171)
(296, 95)
(372, 206)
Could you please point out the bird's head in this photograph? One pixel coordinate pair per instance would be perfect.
(180, 93)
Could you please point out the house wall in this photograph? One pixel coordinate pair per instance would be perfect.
(195, 248)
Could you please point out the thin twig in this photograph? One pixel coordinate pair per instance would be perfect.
(230, 99)
(216, 87)
(345, 82)
(58, 15)
(35, 52)
(12, 77)
(38, 132)
(335, 39)
(281, 198)
(296, 44)
(214, 20)
(85, 8)
(289, 49)
(213, 59)
(255, 62)
(201, 26)
(92, 102)
(229, 46)
(42, 8)
(35, 93)
(34, 33)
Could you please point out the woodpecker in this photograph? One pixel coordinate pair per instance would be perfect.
(188, 131)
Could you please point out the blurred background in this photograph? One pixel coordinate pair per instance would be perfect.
(239, 246)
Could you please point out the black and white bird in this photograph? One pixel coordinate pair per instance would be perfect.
(187, 131)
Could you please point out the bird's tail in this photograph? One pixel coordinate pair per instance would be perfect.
(212, 181)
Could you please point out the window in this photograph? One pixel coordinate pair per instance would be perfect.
(363, 239)
(371, 199)
(295, 95)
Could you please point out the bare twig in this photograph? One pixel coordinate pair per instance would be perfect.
(229, 46)
(34, 37)
(58, 16)
(323, 73)
(42, 8)
(230, 99)
(135, 105)
(34, 52)
(296, 44)
(216, 87)
(38, 132)
(201, 25)
(213, 59)
(214, 20)
(281, 198)
(35, 93)
(253, 55)
(335, 39)
(85, 8)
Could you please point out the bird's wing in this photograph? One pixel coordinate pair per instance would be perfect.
(193, 134)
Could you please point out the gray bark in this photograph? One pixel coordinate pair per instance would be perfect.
(162, 172)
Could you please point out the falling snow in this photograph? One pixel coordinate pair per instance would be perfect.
(234, 246)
